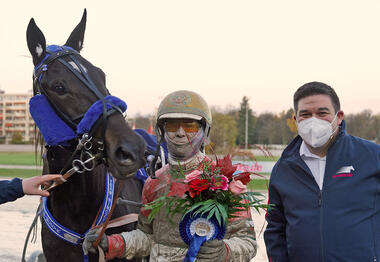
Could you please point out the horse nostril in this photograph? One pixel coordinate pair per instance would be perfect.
(124, 156)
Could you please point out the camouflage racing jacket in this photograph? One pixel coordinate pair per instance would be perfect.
(161, 239)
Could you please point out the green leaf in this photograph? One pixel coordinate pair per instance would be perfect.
(205, 207)
(211, 213)
(223, 212)
(218, 216)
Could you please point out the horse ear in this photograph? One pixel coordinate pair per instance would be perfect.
(36, 42)
(77, 35)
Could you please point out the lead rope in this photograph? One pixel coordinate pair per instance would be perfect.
(32, 226)
(104, 226)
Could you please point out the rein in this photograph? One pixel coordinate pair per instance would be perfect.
(86, 162)
(105, 224)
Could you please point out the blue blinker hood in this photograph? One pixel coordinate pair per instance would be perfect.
(55, 131)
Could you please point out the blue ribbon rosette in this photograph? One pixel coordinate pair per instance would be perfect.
(197, 229)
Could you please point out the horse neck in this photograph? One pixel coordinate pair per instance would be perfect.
(76, 202)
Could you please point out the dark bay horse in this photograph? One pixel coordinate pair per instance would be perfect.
(87, 137)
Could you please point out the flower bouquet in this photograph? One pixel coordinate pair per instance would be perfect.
(207, 198)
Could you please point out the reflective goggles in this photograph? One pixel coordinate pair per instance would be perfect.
(189, 126)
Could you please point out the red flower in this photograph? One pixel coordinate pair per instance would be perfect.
(243, 177)
(197, 186)
(178, 189)
(226, 167)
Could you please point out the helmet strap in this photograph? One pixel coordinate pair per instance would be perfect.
(152, 164)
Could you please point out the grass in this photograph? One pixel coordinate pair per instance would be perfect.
(19, 158)
(255, 184)
(21, 173)
(28, 158)
(258, 184)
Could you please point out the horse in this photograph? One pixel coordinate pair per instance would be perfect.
(87, 140)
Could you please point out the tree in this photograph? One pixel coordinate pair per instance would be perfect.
(288, 126)
(17, 138)
(267, 129)
(142, 121)
(223, 132)
(362, 125)
(377, 128)
(291, 123)
(241, 123)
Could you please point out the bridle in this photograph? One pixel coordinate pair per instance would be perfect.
(85, 156)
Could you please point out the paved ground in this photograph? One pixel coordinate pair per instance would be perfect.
(16, 217)
(260, 225)
(16, 148)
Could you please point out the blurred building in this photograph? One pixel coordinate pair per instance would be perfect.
(15, 119)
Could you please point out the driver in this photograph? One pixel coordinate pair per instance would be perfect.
(183, 122)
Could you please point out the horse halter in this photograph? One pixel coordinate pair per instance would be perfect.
(44, 111)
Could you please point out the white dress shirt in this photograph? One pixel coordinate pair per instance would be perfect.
(316, 164)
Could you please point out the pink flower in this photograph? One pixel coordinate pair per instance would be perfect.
(237, 187)
(193, 175)
(219, 182)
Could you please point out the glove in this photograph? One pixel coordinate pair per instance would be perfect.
(90, 238)
(213, 250)
(113, 246)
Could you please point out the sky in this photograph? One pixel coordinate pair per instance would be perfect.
(223, 50)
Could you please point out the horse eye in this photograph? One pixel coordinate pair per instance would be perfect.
(59, 88)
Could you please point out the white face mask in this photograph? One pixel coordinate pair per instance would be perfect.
(316, 132)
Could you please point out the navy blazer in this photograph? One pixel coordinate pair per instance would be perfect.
(10, 190)
(341, 222)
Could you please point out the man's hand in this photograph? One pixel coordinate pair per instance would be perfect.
(90, 238)
(214, 250)
(31, 186)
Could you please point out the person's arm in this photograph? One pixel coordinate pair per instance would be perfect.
(242, 242)
(135, 243)
(138, 243)
(275, 233)
(10, 190)
(130, 244)
(32, 185)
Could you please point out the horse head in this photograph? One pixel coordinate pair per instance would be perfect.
(72, 106)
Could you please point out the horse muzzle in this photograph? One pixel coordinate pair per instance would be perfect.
(125, 160)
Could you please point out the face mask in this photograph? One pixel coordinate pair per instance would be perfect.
(185, 151)
(316, 132)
